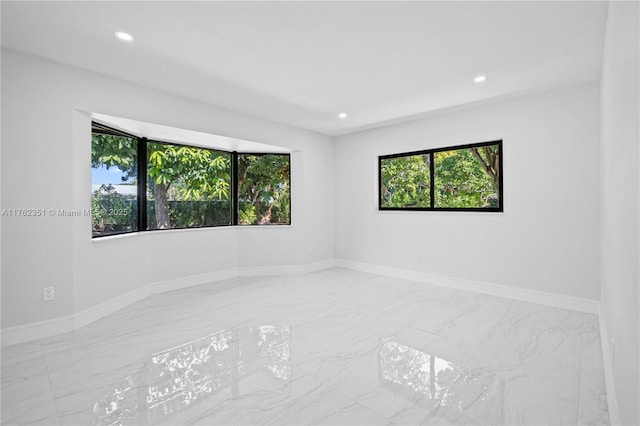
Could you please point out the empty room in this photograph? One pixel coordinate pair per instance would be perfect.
(322, 212)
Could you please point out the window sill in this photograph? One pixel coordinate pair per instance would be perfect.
(185, 230)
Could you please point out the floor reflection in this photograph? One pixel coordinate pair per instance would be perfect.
(177, 378)
(448, 391)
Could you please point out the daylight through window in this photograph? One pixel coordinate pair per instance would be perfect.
(147, 185)
(263, 189)
(114, 198)
(466, 177)
(187, 187)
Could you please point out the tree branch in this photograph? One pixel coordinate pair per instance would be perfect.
(485, 166)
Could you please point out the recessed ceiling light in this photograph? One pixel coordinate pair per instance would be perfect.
(342, 115)
(480, 78)
(124, 36)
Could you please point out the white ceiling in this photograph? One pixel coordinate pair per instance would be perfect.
(302, 63)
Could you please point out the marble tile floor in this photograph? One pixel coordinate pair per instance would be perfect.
(331, 347)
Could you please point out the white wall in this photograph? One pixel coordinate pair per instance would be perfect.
(547, 239)
(46, 164)
(620, 211)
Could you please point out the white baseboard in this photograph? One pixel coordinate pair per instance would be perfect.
(607, 360)
(38, 330)
(549, 299)
(543, 298)
(42, 329)
(94, 313)
(256, 271)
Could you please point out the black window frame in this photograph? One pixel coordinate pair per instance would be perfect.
(146, 186)
(431, 152)
(142, 164)
(234, 179)
(97, 127)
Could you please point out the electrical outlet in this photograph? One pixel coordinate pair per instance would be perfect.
(47, 294)
(416, 257)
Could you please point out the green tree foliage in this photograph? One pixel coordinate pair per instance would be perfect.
(190, 187)
(247, 214)
(464, 178)
(112, 212)
(461, 180)
(489, 158)
(184, 173)
(405, 181)
(114, 151)
(175, 173)
(263, 189)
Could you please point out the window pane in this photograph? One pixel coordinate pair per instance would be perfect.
(264, 196)
(467, 178)
(405, 182)
(113, 184)
(187, 187)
